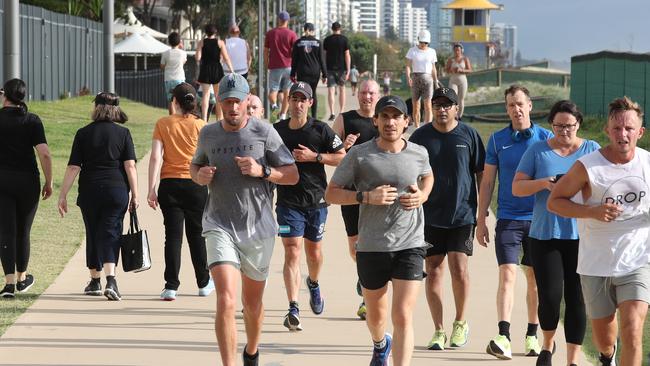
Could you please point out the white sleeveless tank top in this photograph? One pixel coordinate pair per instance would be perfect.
(610, 249)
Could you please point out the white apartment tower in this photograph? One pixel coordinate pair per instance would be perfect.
(411, 22)
(369, 17)
(389, 17)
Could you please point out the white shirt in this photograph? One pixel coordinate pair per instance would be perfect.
(173, 60)
(616, 248)
(422, 61)
(237, 51)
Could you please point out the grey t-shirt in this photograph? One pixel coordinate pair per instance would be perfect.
(385, 228)
(239, 204)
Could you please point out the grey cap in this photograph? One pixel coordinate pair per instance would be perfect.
(283, 16)
(302, 88)
(391, 101)
(445, 92)
(233, 86)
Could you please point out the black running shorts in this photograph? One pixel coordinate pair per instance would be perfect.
(375, 269)
(444, 240)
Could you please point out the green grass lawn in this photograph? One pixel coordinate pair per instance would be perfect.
(54, 240)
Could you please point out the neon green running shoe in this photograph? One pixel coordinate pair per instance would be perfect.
(532, 347)
(438, 341)
(361, 312)
(499, 347)
(460, 334)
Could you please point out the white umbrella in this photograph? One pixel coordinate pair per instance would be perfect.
(119, 27)
(140, 44)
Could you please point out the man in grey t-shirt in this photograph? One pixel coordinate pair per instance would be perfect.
(240, 158)
(393, 178)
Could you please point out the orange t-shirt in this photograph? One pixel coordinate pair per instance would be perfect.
(179, 136)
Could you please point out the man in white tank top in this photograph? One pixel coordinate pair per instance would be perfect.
(239, 52)
(607, 191)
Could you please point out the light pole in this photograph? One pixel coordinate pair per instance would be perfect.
(11, 40)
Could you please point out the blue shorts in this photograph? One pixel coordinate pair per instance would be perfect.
(169, 86)
(280, 79)
(511, 236)
(307, 223)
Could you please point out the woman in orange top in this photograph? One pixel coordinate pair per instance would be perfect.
(174, 142)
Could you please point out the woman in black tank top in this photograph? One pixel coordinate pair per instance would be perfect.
(209, 51)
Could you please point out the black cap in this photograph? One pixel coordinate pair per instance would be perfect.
(308, 27)
(301, 87)
(445, 92)
(336, 26)
(391, 101)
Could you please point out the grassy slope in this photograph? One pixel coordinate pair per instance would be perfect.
(55, 240)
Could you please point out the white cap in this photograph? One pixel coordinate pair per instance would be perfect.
(424, 36)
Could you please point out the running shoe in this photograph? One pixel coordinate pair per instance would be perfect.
(168, 295)
(499, 347)
(94, 287)
(438, 341)
(362, 311)
(274, 107)
(607, 361)
(111, 292)
(207, 289)
(380, 357)
(316, 301)
(8, 292)
(359, 292)
(292, 319)
(460, 334)
(250, 360)
(544, 358)
(332, 118)
(532, 347)
(23, 286)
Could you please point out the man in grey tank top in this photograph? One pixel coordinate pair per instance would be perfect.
(240, 158)
(612, 211)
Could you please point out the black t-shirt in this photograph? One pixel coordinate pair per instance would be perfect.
(335, 46)
(19, 133)
(354, 123)
(307, 63)
(455, 158)
(310, 190)
(100, 149)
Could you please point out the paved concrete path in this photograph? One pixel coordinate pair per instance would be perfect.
(64, 327)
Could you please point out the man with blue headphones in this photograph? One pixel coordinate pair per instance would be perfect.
(514, 214)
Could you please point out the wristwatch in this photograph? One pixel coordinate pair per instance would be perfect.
(319, 158)
(360, 197)
(266, 171)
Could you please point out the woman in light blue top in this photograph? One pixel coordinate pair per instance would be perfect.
(555, 239)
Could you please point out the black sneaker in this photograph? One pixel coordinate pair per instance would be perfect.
(94, 287)
(111, 292)
(250, 360)
(607, 361)
(8, 292)
(23, 286)
(332, 118)
(544, 358)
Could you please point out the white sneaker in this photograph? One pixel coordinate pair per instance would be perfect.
(168, 295)
(207, 290)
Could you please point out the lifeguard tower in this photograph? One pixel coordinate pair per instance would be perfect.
(471, 27)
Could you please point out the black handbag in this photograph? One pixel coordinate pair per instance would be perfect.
(135, 247)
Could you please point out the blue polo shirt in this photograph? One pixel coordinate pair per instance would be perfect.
(504, 152)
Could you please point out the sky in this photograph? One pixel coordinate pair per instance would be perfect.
(558, 29)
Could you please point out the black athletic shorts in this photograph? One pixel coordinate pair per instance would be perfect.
(350, 215)
(375, 269)
(444, 240)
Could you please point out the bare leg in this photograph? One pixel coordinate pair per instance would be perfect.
(531, 295)
(416, 112)
(505, 291)
(428, 113)
(291, 269)
(604, 331)
(217, 108)
(405, 295)
(341, 98)
(252, 295)
(632, 317)
(435, 266)
(285, 102)
(205, 101)
(314, 256)
(330, 99)
(225, 278)
(458, 268)
(377, 305)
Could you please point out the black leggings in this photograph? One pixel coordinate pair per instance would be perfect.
(555, 262)
(183, 200)
(19, 193)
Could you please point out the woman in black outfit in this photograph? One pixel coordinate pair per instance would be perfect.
(104, 154)
(209, 52)
(20, 133)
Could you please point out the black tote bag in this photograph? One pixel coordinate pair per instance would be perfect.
(135, 247)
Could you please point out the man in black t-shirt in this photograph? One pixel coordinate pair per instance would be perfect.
(356, 127)
(337, 59)
(308, 63)
(301, 209)
(457, 156)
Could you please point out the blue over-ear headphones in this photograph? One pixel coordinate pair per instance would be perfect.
(517, 136)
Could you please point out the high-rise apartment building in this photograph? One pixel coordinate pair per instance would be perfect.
(411, 21)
